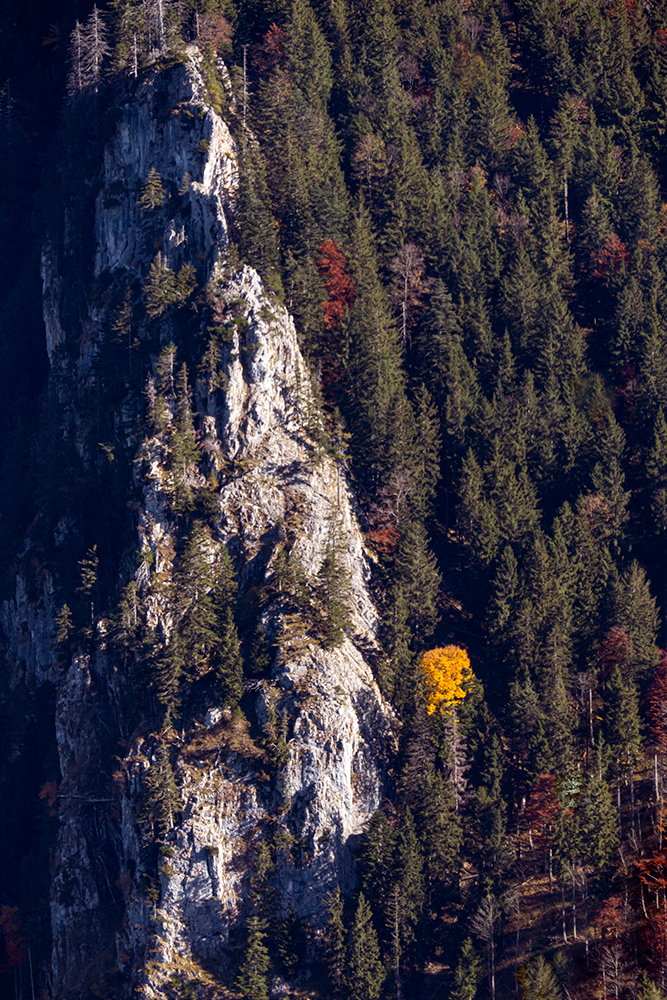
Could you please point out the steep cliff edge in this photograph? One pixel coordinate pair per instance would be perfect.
(125, 911)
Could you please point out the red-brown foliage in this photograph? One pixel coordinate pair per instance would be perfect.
(338, 284)
(49, 791)
(611, 258)
(610, 919)
(268, 53)
(615, 651)
(215, 30)
(386, 539)
(652, 871)
(14, 940)
(543, 805)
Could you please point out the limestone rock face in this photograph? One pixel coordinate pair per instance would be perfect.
(111, 900)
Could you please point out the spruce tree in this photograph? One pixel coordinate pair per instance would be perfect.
(260, 656)
(159, 287)
(161, 799)
(440, 836)
(333, 591)
(153, 194)
(252, 981)
(622, 726)
(168, 667)
(468, 973)
(335, 947)
(598, 823)
(418, 578)
(183, 449)
(228, 662)
(634, 610)
(227, 659)
(365, 972)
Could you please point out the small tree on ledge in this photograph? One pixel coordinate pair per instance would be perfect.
(152, 194)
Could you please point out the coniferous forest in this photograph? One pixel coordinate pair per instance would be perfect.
(463, 204)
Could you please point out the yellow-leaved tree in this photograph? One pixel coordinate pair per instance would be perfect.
(446, 672)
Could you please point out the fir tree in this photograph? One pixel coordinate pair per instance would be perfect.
(169, 666)
(161, 799)
(252, 981)
(468, 972)
(183, 449)
(333, 589)
(260, 657)
(335, 938)
(153, 194)
(159, 287)
(598, 823)
(365, 972)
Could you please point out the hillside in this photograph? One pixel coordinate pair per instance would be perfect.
(333, 493)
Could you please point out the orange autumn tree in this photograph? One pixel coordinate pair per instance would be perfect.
(446, 673)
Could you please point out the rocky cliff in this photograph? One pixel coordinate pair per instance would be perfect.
(123, 916)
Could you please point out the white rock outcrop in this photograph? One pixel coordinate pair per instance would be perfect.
(273, 481)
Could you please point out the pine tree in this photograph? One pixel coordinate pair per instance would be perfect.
(64, 624)
(656, 473)
(183, 449)
(252, 981)
(168, 667)
(365, 972)
(130, 26)
(260, 657)
(376, 860)
(468, 972)
(159, 287)
(440, 834)
(634, 610)
(409, 883)
(333, 591)
(89, 590)
(484, 925)
(228, 662)
(335, 949)
(308, 55)
(256, 238)
(291, 943)
(96, 48)
(622, 727)
(88, 49)
(417, 576)
(161, 799)
(538, 981)
(599, 823)
(76, 79)
(381, 416)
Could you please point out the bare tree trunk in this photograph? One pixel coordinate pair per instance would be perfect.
(517, 941)
(586, 914)
(563, 911)
(32, 979)
(493, 966)
(245, 86)
(590, 714)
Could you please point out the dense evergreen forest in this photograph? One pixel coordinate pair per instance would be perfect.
(464, 205)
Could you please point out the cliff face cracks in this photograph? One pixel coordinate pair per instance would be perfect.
(273, 482)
